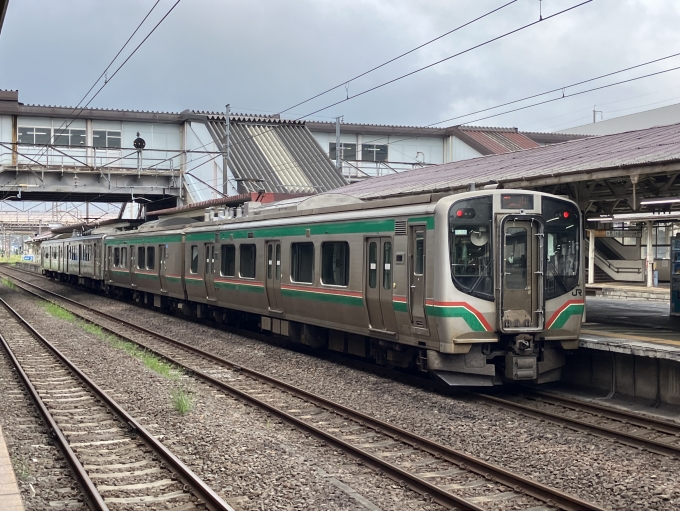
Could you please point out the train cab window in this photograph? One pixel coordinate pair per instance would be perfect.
(470, 250)
(247, 263)
(228, 268)
(302, 262)
(194, 259)
(150, 258)
(562, 235)
(116, 256)
(140, 257)
(123, 257)
(335, 263)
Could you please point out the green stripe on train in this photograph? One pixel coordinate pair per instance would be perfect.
(323, 297)
(367, 226)
(456, 312)
(564, 316)
(400, 306)
(234, 286)
(146, 240)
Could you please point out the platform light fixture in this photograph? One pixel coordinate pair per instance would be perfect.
(653, 202)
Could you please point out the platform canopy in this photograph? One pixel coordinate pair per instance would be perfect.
(604, 175)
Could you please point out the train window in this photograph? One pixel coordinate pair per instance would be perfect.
(515, 254)
(116, 256)
(247, 263)
(140, 258)
(47, 254)
(372, 265)
(420, 253)
(270, 260)
(123, 257)
(470, 247)
(150, 258)
(387, 265)
(302, 262)
(277, 272)
(335, 263)
(194, 259)
(228, 261)
(562, 235)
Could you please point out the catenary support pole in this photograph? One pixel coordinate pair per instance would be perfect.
(225, 161)
(591, 256)
(650, 255)
(338, 146)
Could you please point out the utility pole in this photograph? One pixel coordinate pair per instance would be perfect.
(225, 155)
(338, 146)
(595, 112)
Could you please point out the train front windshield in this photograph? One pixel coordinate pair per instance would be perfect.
(470, 248)
(562, 235)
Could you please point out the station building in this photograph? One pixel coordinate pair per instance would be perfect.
(371, 150)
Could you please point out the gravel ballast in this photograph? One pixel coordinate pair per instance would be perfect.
(590, 467)
(254, 461)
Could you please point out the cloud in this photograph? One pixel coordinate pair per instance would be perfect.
(267, 55)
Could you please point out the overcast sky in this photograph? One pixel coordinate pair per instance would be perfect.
(264, 56)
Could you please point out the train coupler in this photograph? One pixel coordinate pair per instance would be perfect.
(522, 362)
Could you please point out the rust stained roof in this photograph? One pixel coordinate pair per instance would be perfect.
(499, 140)
(550, 162)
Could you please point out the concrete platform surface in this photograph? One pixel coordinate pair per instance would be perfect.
(630, 291)
(640, 328)
(10, 498)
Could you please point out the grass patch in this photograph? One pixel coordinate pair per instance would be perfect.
(58, 312)
(6, 282)
(150, 360)
(181, 400)
(21, 468)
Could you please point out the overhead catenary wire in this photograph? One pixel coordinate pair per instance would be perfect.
(411, 73)
(532, 96)
(346, 82)
(81, 109)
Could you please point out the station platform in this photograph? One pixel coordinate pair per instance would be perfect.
(630, 291)
(10, 498)
(630, 348)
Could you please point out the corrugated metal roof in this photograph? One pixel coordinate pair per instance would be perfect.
(498, 140)
(551, 162)
(275, 155)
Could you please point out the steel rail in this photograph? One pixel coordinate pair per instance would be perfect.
(92, 497)
(534, 489)
(213, 501)
(631, 439)
(624, 416)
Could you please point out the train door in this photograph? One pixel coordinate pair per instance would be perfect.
(80, 258)
(133, 265)
(273, 273)
(163, 267)
(379, 284)
(59, 262)
(209, 271)
(521, 300)
(97, 260)
(417, 272)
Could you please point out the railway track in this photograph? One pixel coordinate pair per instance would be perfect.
(449, 477)
(116, 461)
(655, 435)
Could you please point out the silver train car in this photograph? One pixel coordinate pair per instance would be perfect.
(477, 288)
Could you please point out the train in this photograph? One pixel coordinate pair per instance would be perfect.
(479, 288)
